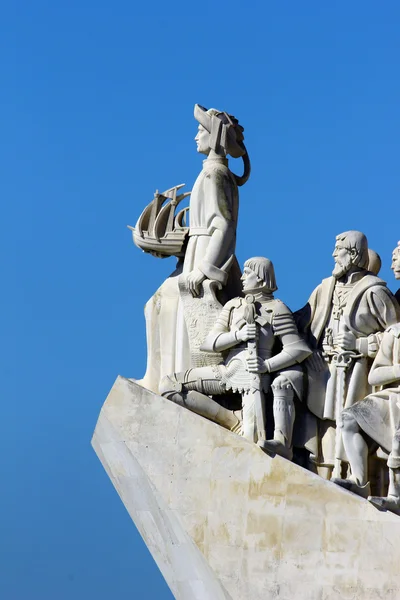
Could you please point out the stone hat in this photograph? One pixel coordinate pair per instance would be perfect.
(225, 131)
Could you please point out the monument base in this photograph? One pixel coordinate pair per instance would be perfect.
(224, 521)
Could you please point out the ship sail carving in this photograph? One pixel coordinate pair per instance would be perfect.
(160, 230)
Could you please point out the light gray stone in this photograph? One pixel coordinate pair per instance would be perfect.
(343, 321)
(183, 309)
(225, 521)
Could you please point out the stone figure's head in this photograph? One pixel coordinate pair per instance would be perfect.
(258, 275)
(351, 252)
(396, 261)
(222, 134)
(374, 262)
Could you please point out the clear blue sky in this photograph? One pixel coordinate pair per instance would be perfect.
(96, 112)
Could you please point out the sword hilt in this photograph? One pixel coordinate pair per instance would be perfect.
(250, 309)
(344, 358)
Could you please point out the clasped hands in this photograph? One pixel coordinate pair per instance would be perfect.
(254, 364)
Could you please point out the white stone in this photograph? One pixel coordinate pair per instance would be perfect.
(225, 521)
(178, 315)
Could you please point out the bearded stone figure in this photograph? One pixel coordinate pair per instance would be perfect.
(375, 421)
(181, 312)
(343, 323)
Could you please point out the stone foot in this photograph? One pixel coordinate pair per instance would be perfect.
(275, 447)
(361, 490)
(391, 503)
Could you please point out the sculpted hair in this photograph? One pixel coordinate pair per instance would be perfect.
(264, 269)
(355, 240)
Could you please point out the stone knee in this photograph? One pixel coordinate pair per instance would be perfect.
(394, 457)
(348, 423)
(396, 443)
(283, 393)
(172, 387)
(281, 386)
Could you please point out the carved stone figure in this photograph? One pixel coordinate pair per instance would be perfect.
(343, 323)
(376, 420)
(251, 364)
(396, 266)
(176, 312)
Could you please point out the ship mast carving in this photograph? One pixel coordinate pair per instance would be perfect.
(160, 230)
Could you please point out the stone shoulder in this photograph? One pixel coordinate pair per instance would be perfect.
(234, 303)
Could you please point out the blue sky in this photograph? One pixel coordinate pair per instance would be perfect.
(97, 111)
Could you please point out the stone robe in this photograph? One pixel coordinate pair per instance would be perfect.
(370, 308)
(211, 246)
(378, 414)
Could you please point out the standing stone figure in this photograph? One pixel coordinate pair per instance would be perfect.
(274, 327)
(343, 323)
(376, 420)
(176, 309)
(396, 267)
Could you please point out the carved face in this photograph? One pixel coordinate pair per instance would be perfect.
(202, 140)
(396, 262)
(250, 280)
(343, 259)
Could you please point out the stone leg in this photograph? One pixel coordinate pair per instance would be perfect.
(189, 389)
(284, 415)
(356, 449)
(392, 500)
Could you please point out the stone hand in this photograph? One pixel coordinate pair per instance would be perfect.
(194, 281)
(247, 332)
(345, 340)
(256, 365)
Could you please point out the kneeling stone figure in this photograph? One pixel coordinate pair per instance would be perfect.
(234, 335)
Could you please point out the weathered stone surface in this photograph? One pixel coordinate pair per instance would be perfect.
(225, 521)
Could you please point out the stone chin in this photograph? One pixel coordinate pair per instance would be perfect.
(339, 271)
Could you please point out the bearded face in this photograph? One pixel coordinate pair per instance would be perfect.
(343, 260)
(396, 263)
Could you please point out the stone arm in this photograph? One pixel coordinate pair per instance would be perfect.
(221, 225)
(294, 348)
(383, 371)
(384, 309)
(221, 337)
(304, 316)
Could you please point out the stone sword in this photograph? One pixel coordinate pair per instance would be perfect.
(343, 359)
(255, 387)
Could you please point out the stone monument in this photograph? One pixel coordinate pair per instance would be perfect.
(259, 456)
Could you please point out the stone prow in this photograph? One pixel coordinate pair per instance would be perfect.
(224, 521)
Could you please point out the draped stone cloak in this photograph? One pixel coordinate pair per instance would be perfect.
(211, 246)
(369, 310)
(379, 413)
